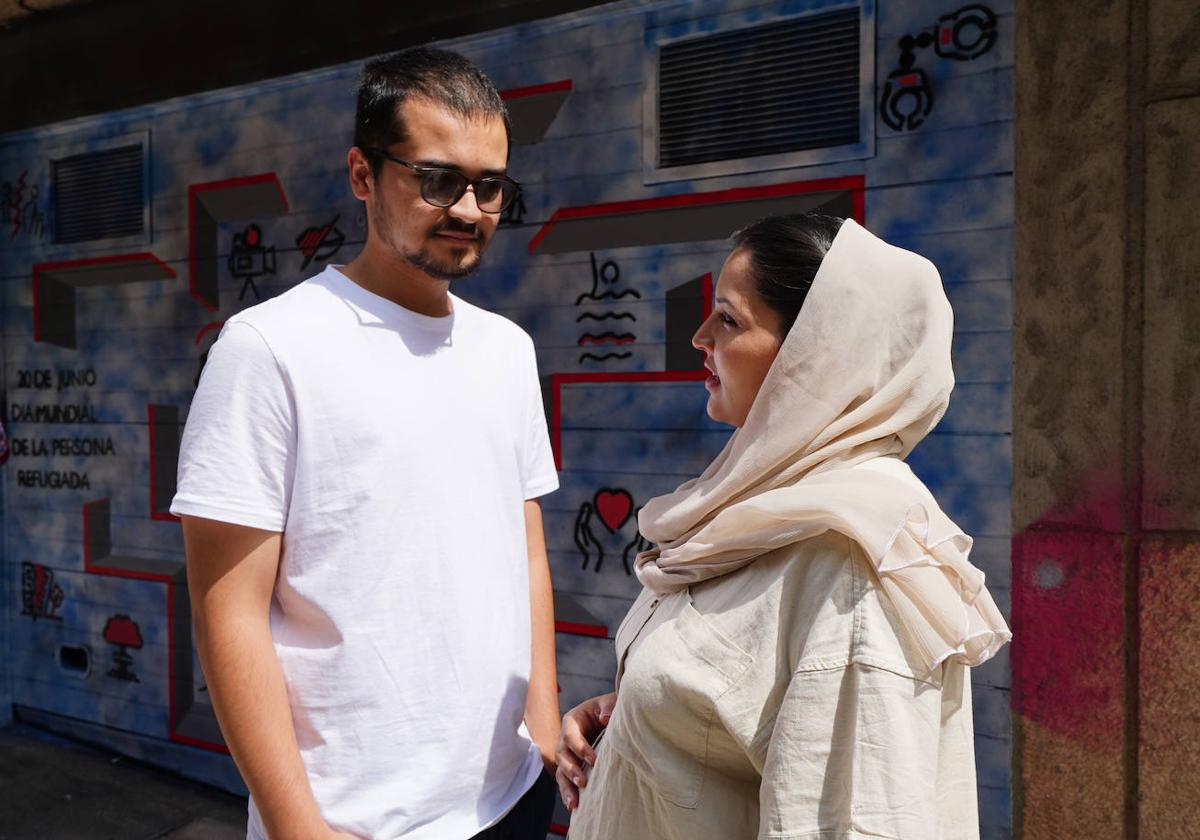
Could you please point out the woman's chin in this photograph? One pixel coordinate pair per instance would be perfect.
(716, 412)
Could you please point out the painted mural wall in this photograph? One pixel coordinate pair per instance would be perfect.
(608, 261)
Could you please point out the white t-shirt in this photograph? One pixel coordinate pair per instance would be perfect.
(394, 451)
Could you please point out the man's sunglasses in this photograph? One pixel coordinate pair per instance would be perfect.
(445, 187)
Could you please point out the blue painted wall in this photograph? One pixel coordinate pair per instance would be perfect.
(943, 189)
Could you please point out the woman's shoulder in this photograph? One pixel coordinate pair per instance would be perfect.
(835, 612)
(810, 605)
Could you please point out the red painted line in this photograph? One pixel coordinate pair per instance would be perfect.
(606, 339)
(675, 202)
(111, 259)
(946, 36)
(311, 241)
(596, 630)
(557, 380)
(197, 742)
(207, 328)
(243, 181)
(109, 571)
(534, 90)
(558, 828)
(556, 419)
(910, 79)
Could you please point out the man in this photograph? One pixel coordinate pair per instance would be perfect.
(358, 486)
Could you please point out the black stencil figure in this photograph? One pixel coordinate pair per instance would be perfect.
(963, 35)
(34, 218)
(605, 277)
(612, 508)
(249, 258)
(907, 99)
(18, 213)
(585, 541)
(41, 597)
(966, 34)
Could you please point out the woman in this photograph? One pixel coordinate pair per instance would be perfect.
(796, 664)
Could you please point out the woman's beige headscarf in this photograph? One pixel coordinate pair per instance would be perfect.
(863, 375)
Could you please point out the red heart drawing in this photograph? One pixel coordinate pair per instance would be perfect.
(614, 507)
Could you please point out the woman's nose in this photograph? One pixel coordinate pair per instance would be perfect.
(701, 340)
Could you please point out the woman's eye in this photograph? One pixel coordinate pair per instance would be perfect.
(725, 319)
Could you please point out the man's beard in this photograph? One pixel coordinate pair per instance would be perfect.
(422, 259)
(439, 269)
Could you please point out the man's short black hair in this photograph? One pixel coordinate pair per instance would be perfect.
(443, 77)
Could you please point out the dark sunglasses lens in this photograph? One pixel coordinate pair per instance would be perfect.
(442, 187)
(496, 195)
(490, 194)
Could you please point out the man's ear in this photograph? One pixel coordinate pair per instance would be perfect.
(362, 179)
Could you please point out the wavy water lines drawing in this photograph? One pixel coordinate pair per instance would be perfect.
(605, 277)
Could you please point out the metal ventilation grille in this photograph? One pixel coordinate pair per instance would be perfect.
(99, 195)
(764, 90)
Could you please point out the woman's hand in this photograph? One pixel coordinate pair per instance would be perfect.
(580, 726)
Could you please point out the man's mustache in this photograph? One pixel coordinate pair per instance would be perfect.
(454, 226)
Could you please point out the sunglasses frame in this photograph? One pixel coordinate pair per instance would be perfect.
(422, 171)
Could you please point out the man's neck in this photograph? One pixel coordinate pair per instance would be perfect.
(393, 278)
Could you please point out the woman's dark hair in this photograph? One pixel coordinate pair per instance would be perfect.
(785, 253)
(440, 76)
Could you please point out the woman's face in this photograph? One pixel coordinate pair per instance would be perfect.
(740, 340)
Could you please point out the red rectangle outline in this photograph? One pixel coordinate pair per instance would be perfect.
(534, 90)
(557, 380)
(597, 630)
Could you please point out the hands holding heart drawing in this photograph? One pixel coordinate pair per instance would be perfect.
(614, 509)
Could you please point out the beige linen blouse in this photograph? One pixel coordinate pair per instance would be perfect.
(780, 701)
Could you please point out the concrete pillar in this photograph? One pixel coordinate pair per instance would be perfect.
(1106, 495)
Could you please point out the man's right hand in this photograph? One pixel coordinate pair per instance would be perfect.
(580, 726)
